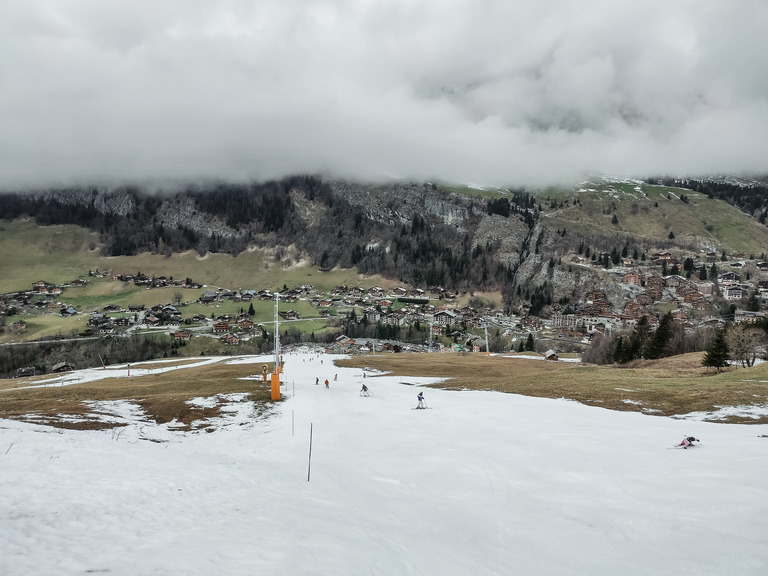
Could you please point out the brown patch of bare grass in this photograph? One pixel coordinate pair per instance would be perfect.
(163, 397)
(668, 387)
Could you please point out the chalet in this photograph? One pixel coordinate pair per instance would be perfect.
(747, 316)
(136, 308)
(78, 282)
(633, 278)
(245, 325)
(230, 339)
(654, 294)
(692, 295)
(763, 266)
(385, 303)
(446, 318)
(701, 304)
(711, 256)
(152, 320)
(729, 277)
(372, 315)
(122, 321)
(63, 367)
(97, 319)
(356, 292)
(199, 318)
(325, 313)
(733, 292)
(661, 257)
(344, 340)
(532, 323)
(208, 297)
(220, 327)
(110, 308)
(394, 319)
(289, 315)
(550, 355)
(478, 345)
(737, 264)
(413, 316)
(376, 291)
(398, 291)
(68, 311)
(595, 295)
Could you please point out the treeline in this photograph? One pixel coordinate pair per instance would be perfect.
(521, 203)
(42, 356)
(742, 343)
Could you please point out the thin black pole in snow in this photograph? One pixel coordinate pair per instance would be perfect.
(309, 465)
(292, 428)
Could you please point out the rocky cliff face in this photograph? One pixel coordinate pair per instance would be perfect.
(397, 204)
(115, 202)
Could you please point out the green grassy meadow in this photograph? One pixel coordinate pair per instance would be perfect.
(654, 211)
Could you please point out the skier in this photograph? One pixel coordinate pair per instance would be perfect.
(335, 377)
(317, 381)
(364, 391)
(421, 400)
(688, 441)
(326, 383)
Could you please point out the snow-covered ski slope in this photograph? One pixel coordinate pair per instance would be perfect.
(482, 484)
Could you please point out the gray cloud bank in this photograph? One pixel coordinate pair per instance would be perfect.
(483, 91)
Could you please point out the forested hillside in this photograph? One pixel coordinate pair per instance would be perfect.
(517, 242)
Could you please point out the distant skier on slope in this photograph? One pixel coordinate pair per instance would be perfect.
(688, 441)
(420, 397)
(326, 382)
(364, 391)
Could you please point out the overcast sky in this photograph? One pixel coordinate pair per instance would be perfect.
(481, 91)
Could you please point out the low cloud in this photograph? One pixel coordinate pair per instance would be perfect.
(503, 92)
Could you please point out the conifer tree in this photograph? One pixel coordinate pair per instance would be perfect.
(717, 354)
(529, 343)
(657, 343)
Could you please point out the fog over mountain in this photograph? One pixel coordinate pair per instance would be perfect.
(489, 92)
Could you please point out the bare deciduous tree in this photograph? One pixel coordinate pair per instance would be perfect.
(745, 343)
